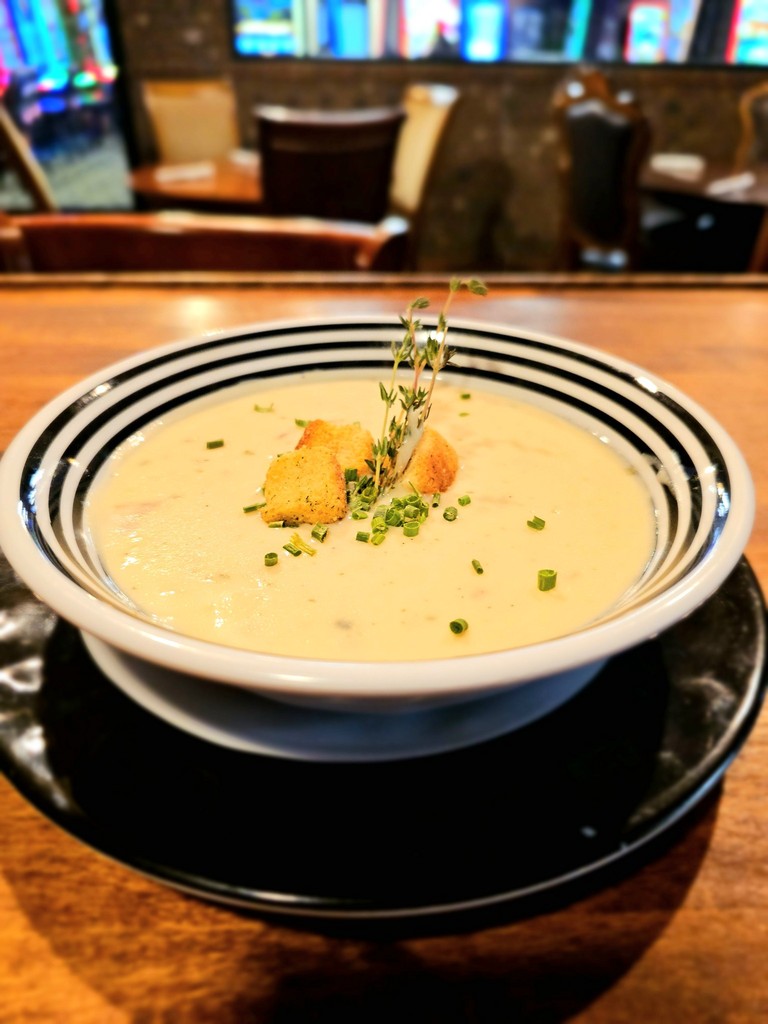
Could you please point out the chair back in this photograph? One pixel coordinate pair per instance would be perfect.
(191, 120)
(603, 139)
(752, 147)
(327, 163)
(187, 241)
(428, 110)
(20, 158)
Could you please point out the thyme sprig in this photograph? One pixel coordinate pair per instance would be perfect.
(407, 408)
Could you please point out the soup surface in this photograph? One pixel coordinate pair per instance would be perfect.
(168, 522)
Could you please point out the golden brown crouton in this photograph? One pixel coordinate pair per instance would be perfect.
(351, 444)
(433, 465)
(305, 486)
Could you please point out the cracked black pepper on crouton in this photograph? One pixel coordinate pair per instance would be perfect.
(305, 486)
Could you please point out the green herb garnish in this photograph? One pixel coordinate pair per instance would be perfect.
(537, 523)
(270, 558)
(547, 579)
(458, 626)
(320, 531)
(214, 444)
(450, 513)
(264, 408)
(254, 508)
(407, 408)
(465, 499)
(302, 545)
(301, 423)
(477, 567)
(292, 549)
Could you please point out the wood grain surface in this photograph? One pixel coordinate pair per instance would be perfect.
(680, 938)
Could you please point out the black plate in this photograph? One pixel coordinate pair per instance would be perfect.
(562, 799)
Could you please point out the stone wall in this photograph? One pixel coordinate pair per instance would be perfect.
(494, 202)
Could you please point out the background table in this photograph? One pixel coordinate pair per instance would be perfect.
(732, 210)
(681, 939)
(230, 185)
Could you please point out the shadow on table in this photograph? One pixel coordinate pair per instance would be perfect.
(231, 967)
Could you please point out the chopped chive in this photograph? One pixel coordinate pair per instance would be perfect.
(302, 545)
(362, 536)
(458, 626)
(360, 513)
(477, 567)
(214, 444)
(379, 537)
(436, 499)
(537, 523)
(350, 474)
(450, 513)
(547, 579)
(411, 528)
(277, 524)
(254, 508)
(463, 414)
(465, 395)
(319, 531)
(301, 423)
(264, 408)
(292, 549)
(270, 558)
(465, 499)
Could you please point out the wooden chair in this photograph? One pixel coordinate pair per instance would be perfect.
(327, 163)
(752, 147)
(22, 161)
(429, 108)
(191, 119)
(603, 140)
(187, 241)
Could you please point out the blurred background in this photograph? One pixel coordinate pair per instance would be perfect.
(73, 76)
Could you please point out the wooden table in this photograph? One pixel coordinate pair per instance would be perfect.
(680, 939)
(231, 185)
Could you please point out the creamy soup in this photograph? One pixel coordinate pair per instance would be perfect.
(167, 519)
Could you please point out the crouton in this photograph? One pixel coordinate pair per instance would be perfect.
(305, 486)
(351, 444)
(433, 465)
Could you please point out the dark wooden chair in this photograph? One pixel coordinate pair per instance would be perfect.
(327, 163)
(19, 157)
(603, 138)
(188, 241)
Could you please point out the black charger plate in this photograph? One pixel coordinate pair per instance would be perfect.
(563, 799)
